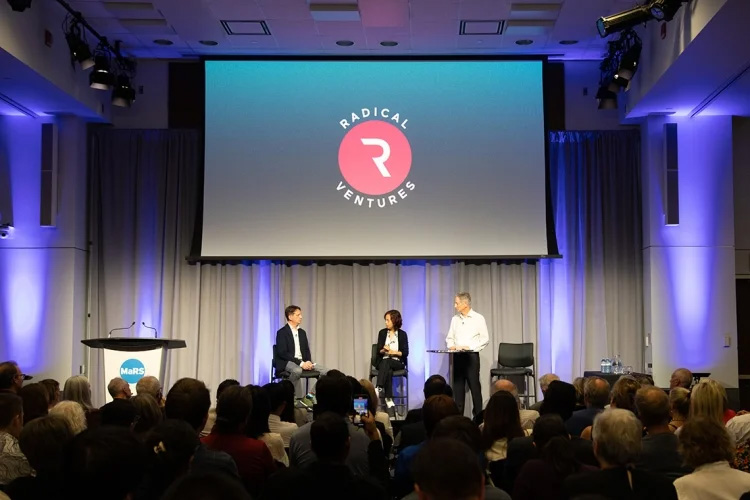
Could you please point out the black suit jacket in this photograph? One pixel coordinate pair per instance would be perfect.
(403, 344)
(285, 348)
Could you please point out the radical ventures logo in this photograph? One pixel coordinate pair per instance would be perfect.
(375, 158)
(132, 370)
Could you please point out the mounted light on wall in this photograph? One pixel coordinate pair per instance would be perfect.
(664, 10)
(123, 94)
(79, 49)
(101, 78)
(659, 10)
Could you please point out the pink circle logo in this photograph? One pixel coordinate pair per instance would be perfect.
(375, 157)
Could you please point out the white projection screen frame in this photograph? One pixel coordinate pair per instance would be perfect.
(375, 160)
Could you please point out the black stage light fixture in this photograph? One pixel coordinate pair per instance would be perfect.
(19, 5)
(123, 94)
(622, 21)
(79, 49)
(101, 77)
(629, 62)
(664, 10)
(607, 99)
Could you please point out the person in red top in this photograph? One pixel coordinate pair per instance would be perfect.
(254, 461)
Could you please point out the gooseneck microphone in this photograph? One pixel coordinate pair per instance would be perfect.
(156, 334)
(123, 328)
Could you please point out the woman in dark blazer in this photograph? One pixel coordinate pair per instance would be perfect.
(393, 349)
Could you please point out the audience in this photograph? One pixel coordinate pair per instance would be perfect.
(527, 416)
(623, 393)
(501, 424)
(53, 391)
(679, 407)
(73, 414)
(617, 443)
(544, 381)
(78, 389)
(13, 463)
(118, 413)
(277, 394)
(681, 377)
(447, 469)
(707, 399)
(413, 430)
(119, 389)
(595, 397)
(212, 411)
(292, 414)
(11, 377)
(374, 404)
(258, 428)
(147, 414)
(707, 447)
(659, 446)
(579, 383)
(150, 385)
(211, 486)
(35, 401)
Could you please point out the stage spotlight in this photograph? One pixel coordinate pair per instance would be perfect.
(623, 21)
(629, 63)
(79, 49)
(101, 78)
(123, 95)
(607, 99)
(664, 10)
(19, 5)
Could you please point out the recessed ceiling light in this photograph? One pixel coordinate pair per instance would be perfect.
(389, 43)
(163, 41)
(568, 42)
(344, 43)
(524, 42)
(210, 43)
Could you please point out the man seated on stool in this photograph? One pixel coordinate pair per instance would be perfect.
(292, 349)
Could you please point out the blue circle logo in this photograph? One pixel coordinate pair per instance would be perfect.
(132, 370)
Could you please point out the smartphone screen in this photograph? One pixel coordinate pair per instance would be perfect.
(360, 406)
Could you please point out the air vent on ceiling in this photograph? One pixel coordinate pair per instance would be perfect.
(246, 27)
(334, 11)
(481, 28)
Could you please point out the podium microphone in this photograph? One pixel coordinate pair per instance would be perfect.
(123, 328)
(156, 334)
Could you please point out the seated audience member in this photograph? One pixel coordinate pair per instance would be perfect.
(292, 414)
(557, 460)
(147, 414)
(374, 403)
(595, 397)
(413, 431)
(617, 443)
(35, 401)
(150, 385)
(679, 407)
(644, 379)
(501, 425)
(623, 394)
(257, 426)
(447, 469)
(53, 390)
(11, 377)
(73, 413)
(119, 389)
(739, 428)
(544, 381)
(527, 417)
(78, 389)
(189, 400)
(13, 463)
(359, 391)
(211, 486)
(659, 446)
(579, 383)
(277, 396)
(254, 461)
(119, 413)
(212, 411)
(42, 441)
(681, 377)
(706, 446)
(707, 400)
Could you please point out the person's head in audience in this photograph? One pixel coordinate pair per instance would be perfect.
(53, 390)
(681, 377)
(545, 379)
(435, 409)
(552, 442)
(652, 404)
(448, 469)
(233, 410)
(595, 393)
(644, 379)
(545, 428)
(119, 412)
(223, 385)
(372, 395)
(11, 414)
(617, 438)
(189, 400)
(35, 401)
(704, 441)
(211, 486)
(560, 399)
(462, 429)
(333, 394)
(623, 393)
(73, 413)
(501, 419)
(287, 415)
(503, 384)
(106, 463)
(329, 438)
(679, 403)
(11, 377)
(277, 397)
(170, 447)
(150, 385)
(43, 441)
(708, 399)
(258, 423)
(119, 389)
(357, 388)
(579, 383)
(78, 389)
(336, 373)
(148, 414)
(436, 385)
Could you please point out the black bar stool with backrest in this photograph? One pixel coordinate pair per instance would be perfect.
(403, 375)
(284, 375)
(516, 360)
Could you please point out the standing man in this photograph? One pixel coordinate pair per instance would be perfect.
(292, 349)
(468, 332)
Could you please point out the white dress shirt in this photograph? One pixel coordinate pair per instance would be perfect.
(469, 330)
(295, 336)
(715, 481)
(392, 343)
(739, 428)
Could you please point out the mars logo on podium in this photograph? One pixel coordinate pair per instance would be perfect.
(132, 370)
(375, 158)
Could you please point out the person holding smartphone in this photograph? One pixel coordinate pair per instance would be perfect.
(393, 349)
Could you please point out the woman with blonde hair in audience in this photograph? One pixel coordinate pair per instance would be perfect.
(380, 416)
(73, 413)
(579, 383)
(679, 407)
(707, 399)
(78, 389)
(148, 414)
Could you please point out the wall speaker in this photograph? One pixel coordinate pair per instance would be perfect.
(671, 180)
(48, 194)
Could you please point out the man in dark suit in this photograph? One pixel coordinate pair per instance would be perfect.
(292, 349)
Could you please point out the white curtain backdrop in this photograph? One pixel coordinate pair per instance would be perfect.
(146, 187)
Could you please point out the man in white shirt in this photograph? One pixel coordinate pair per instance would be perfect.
(292, 349)
(468, 332)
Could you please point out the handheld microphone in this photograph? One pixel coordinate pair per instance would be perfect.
(123, 328)
(156, 333)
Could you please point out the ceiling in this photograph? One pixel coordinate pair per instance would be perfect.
(309, 27)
